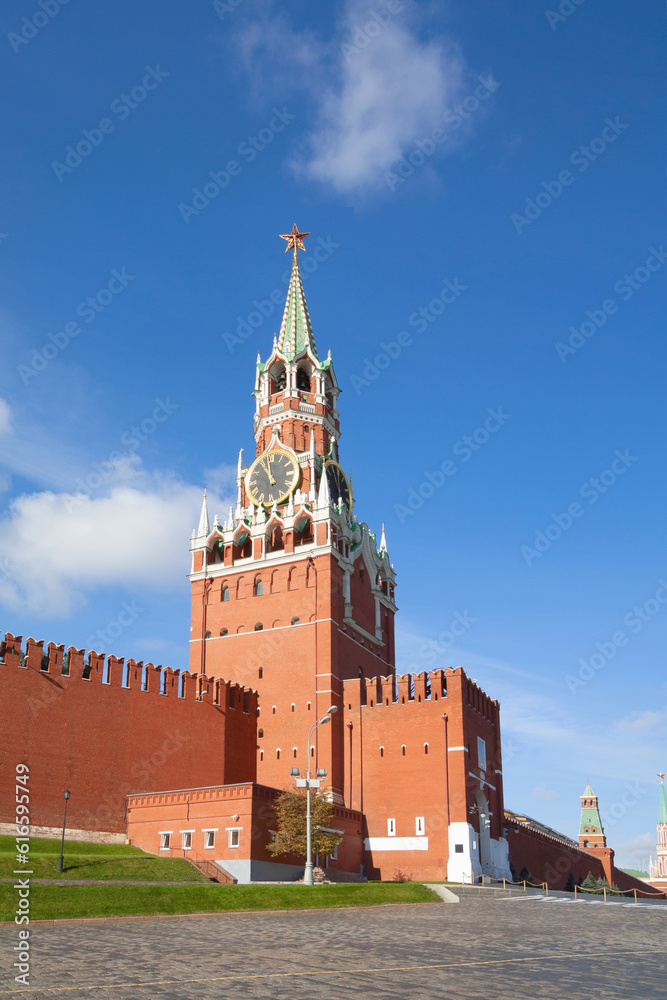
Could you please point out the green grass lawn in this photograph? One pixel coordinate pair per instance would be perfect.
(40, 845)
(96, 861)
(144, 868)
(48, 902)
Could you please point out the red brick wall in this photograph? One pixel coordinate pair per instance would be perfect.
(207, 808)
(300, 664)
(437, 785)
(550, 860)
(102, 740)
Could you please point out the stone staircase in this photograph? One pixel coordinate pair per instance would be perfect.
(213, 871)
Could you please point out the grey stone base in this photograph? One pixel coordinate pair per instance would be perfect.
(56, 832)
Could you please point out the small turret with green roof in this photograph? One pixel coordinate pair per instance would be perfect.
(591, 832)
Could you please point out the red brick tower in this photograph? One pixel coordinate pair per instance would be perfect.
(292, 594)
(591, 833)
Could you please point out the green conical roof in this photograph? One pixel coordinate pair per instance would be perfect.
(296, 331)
(590, 816)
(662, 815)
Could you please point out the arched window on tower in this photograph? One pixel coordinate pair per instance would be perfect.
(274, 540)
(258, 587)
(303, 380)
(224, 596)
(278, 379)
(304, 533)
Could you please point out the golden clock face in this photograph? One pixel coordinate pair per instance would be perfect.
(272, 477)
(339, 488)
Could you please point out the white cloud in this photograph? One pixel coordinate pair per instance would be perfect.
(543, 794)
(56, 550)
(641, 721)
(388, 94)
(276, 58)
(376, 88)
(638, 847)
(5, 417)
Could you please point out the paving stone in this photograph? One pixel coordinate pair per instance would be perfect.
(500, 948)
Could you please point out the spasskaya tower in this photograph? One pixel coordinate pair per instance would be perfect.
(292, 594)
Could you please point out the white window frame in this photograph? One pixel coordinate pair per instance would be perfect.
(165, 833)
(420, 826)
(184, 834)
(213, 830)
(231, 830)
(481, 753)
(391, 827)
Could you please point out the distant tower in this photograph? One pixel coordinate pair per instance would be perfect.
(659, 869)
(591, 833)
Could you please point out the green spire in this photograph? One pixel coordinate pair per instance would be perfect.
(588, 791)
(662, 815)
(296, 331)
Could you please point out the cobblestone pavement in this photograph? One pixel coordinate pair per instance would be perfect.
(502, 949)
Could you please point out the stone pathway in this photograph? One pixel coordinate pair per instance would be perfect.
(497, 948)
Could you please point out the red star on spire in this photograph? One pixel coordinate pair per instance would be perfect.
(294, 239)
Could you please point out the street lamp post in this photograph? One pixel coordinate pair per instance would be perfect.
(309, 783)
(66, 795)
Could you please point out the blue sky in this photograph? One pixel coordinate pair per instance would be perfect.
(486, 183)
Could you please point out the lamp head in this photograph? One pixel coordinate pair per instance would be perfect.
(66, 794)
